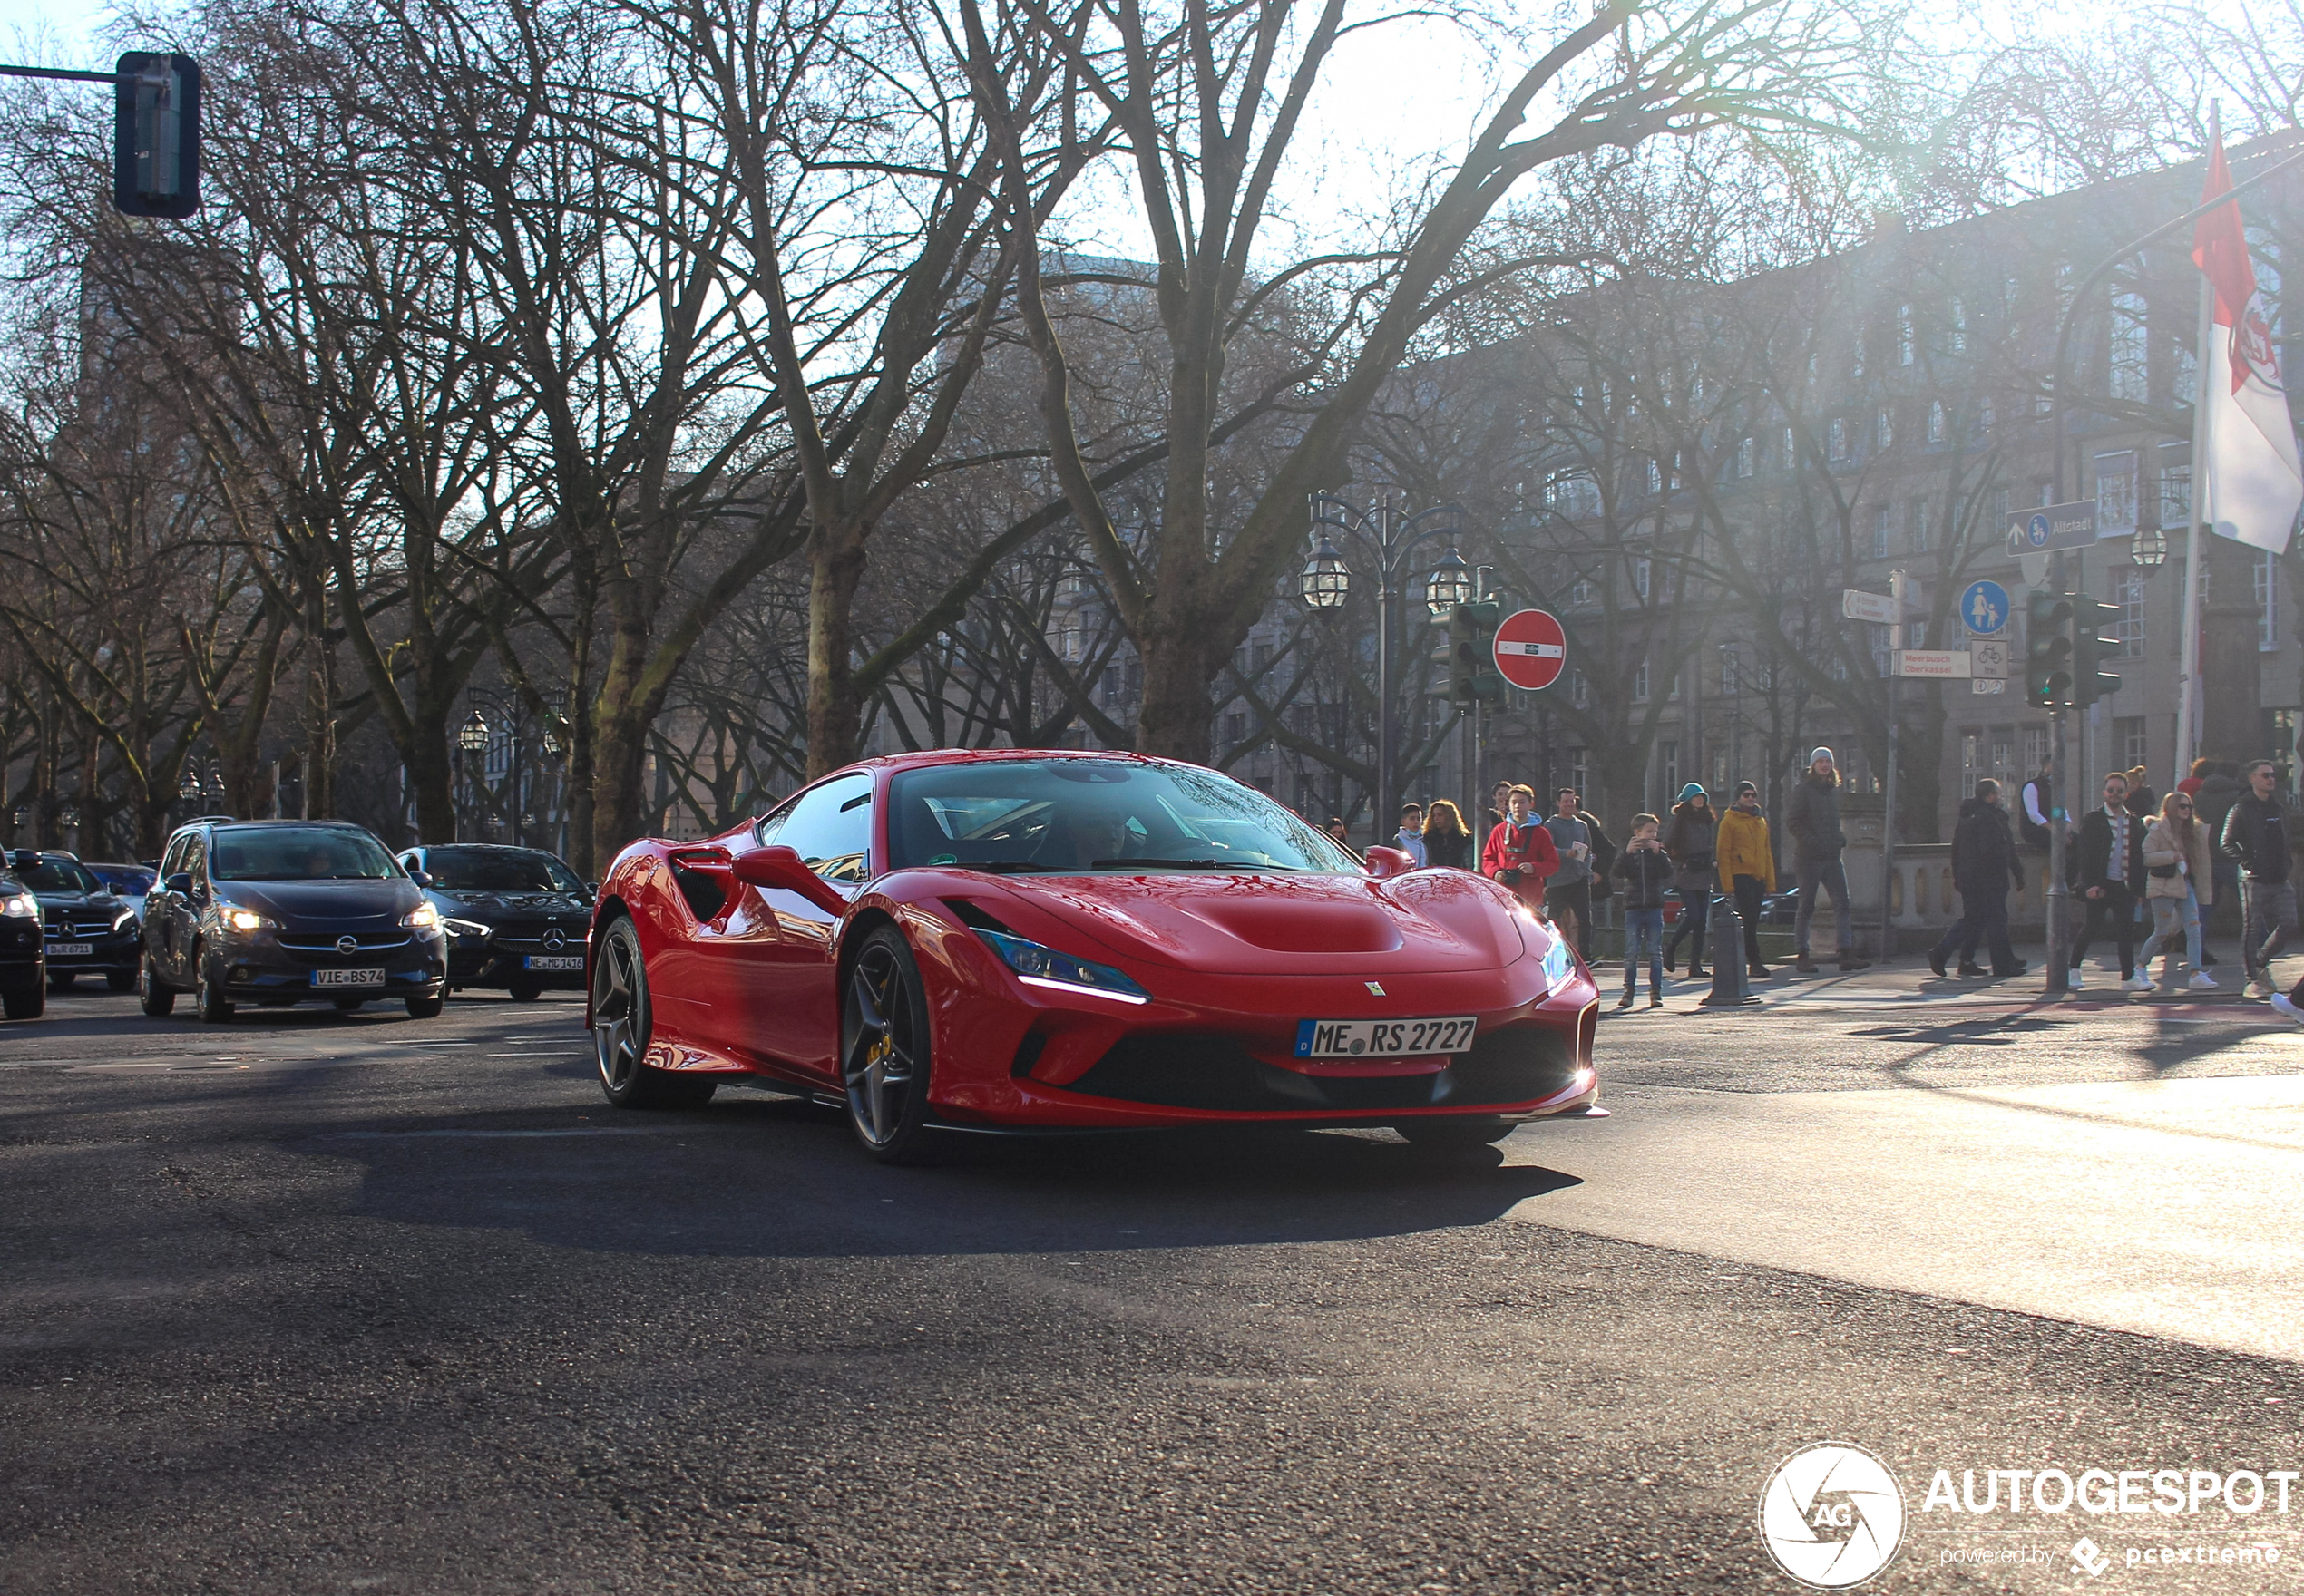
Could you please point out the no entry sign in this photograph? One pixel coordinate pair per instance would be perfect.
(1530, 648)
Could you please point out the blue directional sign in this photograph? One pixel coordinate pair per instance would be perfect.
(1984, 607)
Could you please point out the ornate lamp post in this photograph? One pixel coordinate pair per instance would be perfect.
(1388, 538)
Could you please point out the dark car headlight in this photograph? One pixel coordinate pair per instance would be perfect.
(1045, 966)
(461, 928)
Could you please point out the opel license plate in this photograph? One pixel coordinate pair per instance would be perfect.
(1383, 1038)
(71, 949)
(347, 977)
(552, 961)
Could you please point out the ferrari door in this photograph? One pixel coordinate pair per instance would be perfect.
(779, 948)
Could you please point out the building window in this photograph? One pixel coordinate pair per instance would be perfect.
(1904, 335)
(1856, 358)
(2035, 751)
(1883, 642)
(1579, 770)
(1972, 757)
(2000, 761)
(1732, 663)
(2175, 494)
(1987, 417)
(1745, 458)
(1836, 439)
(1639, 684)
(2129, 373)
(1640, 578)
(1656, 477)
(1916, 527)
(2128, 736)
(1668, 766)
(1936, 421)
(1792, 449)
(1956, 335)
(1999, 503)
(1580, 693)
(1883, 430)
(2044, 403)
(2116, 492)
(2128, 595)
(2267, 602)
(1880, 532)
(1580, 593)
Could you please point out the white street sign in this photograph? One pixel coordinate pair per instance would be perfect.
(1988, 656)
(1941, 663)
(1983, 686)
(1877, 608)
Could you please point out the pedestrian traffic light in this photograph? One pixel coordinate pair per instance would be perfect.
(2094, 641)
(155, 163)
(2047, 649)
(1471, 653)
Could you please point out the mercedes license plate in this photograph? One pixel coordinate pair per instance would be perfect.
(347, 977)
(552, 961)
(1383, 1038)
(71, 949)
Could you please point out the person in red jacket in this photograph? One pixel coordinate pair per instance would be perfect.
(1520, 851)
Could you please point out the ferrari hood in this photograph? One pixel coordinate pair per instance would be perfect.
(1286, 924)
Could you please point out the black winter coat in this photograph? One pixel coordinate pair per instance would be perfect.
(2256, 833)
(1983, 853)
(2093, 858)
(1647, 875)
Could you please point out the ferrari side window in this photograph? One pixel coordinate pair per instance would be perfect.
(830, 827)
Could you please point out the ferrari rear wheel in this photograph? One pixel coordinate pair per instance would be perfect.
(621, 1019)
(1470, 1130)
(884, 1050)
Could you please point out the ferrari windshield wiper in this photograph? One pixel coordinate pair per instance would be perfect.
(1158, 864)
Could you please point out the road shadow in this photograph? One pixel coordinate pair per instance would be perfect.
(758, 1176)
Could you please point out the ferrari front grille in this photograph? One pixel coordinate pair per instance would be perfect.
(1511, 1063)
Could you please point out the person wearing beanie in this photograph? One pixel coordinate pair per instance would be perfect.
(1812, 817)
(1747, 868)
(1691, 839)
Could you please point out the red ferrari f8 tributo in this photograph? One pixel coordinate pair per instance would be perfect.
(1012, 940)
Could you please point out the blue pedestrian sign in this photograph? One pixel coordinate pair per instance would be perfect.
(1984, 607)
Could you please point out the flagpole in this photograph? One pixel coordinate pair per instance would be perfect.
(2195, 537)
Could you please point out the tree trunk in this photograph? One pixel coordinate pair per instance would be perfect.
(2230, 722)
(432, 774)
(1177, 713)
(836, 568)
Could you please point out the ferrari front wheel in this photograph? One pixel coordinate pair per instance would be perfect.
(621, 1020)
(1470, 1130)
(884, 1050)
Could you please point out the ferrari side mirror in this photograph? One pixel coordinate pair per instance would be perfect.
(1383, 863)
(780, 869)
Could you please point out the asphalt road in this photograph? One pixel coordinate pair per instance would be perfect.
(315, 1304)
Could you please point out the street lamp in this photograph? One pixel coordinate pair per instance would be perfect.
(1390, 537)
(473, 738)
(1449, 585)
(2149, 548)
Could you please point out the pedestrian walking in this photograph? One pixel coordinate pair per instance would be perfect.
(1520, 851)
(1447, 843)
(2212, 804)
(2255, 836)
(1409, 838)
(2176, 871)
(1811, 817)
(1567, 897)
(1747, 871)
(2109, 870)
(1985, 865)
(1692, 838)
(1646, 870)
(2039, 806)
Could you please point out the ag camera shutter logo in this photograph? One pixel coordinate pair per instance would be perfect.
(1831, 1515)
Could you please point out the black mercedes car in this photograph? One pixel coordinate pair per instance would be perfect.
(516, 917)
(24, 961)
(91, 930)
(279, 912)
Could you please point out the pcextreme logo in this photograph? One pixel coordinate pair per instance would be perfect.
(1831, 1515)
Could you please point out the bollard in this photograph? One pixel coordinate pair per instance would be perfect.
(1725, 929)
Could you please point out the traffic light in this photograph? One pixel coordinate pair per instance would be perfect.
(155, 152)
(2047, 649)
(1471, 653)
(2092, 642)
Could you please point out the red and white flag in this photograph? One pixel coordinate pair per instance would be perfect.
(2249, 483)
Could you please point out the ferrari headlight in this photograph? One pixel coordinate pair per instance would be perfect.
(20, 906)
(423, 917)
(1559, 964)
(248, 919)
(1044, 967)
(466, 927)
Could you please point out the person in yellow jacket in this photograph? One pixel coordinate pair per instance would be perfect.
(1747, 867)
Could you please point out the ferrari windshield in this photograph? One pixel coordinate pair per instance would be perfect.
(1075, 815)
(298, 853)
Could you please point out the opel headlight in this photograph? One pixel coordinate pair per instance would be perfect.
(423, 918)
(248, 919)
(1559, 964)
(467, 928)
(1036, 966)
(20, 906)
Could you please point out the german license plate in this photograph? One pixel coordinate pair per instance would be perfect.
(1383, 1038)
(71, 949)
(347, 977)
(552, 961)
